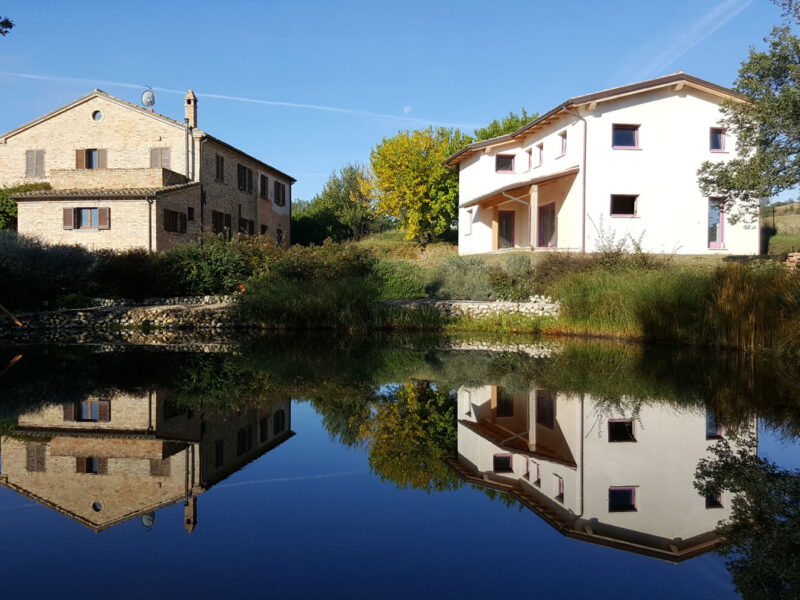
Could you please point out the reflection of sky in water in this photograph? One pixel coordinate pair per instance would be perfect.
(783, 452)
(308, 518)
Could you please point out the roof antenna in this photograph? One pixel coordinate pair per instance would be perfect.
(149, 98)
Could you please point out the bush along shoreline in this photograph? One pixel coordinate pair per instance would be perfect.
(352, 288)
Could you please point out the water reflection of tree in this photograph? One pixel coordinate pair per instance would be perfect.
(762, 535)
(410, 430)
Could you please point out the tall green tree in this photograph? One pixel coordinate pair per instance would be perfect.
(341, 211)
(412, 184)
(511, 122)
(765, 124)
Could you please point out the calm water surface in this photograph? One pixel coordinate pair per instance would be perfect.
(392, 468)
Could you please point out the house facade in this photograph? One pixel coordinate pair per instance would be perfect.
(617, 163)
(122, 176)
(613, 476)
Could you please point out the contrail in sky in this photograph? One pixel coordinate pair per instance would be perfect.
(703, 27)
(284, 479)
(318, 107)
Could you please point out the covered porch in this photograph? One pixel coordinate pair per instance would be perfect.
(540, 213)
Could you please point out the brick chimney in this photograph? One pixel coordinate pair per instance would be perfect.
(190, 108)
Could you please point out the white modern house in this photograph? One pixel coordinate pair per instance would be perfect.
(622, 161)
(619, 476)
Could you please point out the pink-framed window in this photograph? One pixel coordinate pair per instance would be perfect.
(716, 223)
(621, 430)
(502, 463)
(563, 136)
(504, 163)
(558, 488)
(537, 474)
(470, 216)
(539, 154)
(529, 152)
(624, 205)
(624, 136)
(717, 139)
(621, 499)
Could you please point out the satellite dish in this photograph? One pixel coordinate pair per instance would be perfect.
(149, 519)
(148, 98)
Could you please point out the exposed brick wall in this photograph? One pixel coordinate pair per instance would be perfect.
(113, 179)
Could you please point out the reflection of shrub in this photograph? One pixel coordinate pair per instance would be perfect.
(397, 280)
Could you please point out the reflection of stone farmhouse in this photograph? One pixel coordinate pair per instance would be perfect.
(108, 459)
(619, 480)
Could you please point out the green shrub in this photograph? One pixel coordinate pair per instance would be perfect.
(461, 278)
(32, 273)
(327, 262)
(8, 208)
(135, 274)
(397, 280)
(516, 281)
(554, 266)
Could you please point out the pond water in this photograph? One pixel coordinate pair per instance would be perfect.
(396, 468)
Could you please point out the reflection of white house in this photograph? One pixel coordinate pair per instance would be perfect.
(621, 161)
(619, 480)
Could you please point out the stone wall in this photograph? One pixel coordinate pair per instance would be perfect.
(537, 306)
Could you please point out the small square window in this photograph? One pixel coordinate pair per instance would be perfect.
(621, 499)
(717, 142)
(502, 463)
(621, 431)
(624, 205)
(504, 163)
(625, 136)
(714, 501)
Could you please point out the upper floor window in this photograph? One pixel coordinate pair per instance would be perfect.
(621, 430)
(278, 422)
(219, 453)
(717, 142)
(502, 463)
(625, 136)
(563, 136)
(624, 205)
(91, 158)
(504, 163)
(280, 194)
(244, 178)
(220, 168)
(539, 154)
(159, 158)
(621, 499)
(262, 188)
(34, 163)
(558, 488)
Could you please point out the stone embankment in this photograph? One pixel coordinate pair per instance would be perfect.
(214, 314)
(538, 306)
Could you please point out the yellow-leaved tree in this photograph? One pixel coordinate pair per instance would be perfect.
(411, 182)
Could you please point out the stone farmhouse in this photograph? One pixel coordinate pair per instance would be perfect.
(125, 177)
(621, 162)
(596, 475)
(114, 456)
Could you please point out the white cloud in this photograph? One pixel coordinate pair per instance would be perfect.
(407, 108)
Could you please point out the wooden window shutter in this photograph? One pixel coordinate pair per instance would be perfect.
(80, 159)
(102, 466)
(183, 223)
(69, 412)
(80, 464)
(104, 410)
(104, 218)
(102, 159)
(276, 192)
(30, 163)
(69, 218)
(155, 158)
(39, 167)
(165, 158)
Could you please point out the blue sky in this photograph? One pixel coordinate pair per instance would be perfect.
(310, 86)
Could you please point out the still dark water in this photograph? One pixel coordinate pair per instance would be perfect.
(393, 468)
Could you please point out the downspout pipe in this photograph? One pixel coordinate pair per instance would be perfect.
(186, 139)
(583, 178)
(150, 224)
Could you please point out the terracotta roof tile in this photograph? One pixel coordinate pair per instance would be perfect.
(103, 193)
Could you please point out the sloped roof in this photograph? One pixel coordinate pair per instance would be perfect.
(103, 193)
(154, 115)
(608, 94)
